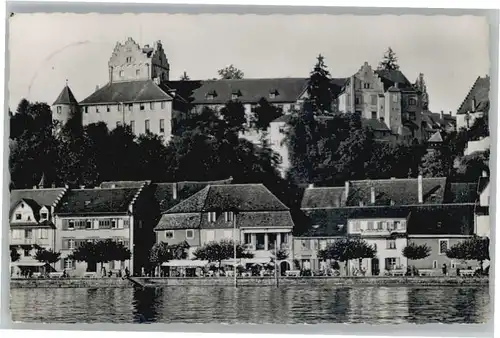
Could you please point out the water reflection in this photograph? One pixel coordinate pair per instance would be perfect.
(286, 304)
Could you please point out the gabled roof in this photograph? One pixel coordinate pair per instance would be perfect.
(240, 197)
(66, 97)
(97, 201)
(251, 90)
(40, 197)
(403, 191)
(374, 124)
(436, 137)
(391, 77)
(128, 92)
(323, 197)
(434, 121)
(480, 92)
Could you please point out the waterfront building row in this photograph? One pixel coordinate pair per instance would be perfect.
(387, 214)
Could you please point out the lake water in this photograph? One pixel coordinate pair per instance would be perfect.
(286, 304)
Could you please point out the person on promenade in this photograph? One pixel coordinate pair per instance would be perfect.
(445, 270)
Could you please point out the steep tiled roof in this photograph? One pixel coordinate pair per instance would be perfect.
(434, 121)
(401, 191)
(179, 221)
(66, 97)
(375, 124)
(249, 90)
(391, 77)
(97, 201)
(242, 197)
(453, 219)
(436, 137)
(323, 197)
(128, 92)
(461, 193)
(47, 197)
(441, 219)
(479, 92)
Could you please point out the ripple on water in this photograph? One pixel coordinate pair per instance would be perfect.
(286, 304)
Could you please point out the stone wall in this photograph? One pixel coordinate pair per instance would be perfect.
(250, 281)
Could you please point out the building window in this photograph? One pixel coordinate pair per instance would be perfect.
(390, 263)
(141, 106)
(366, 85)
(212, 216)
(119, 108)
(412, 102)
(391, 244)
(71, 225)
(151, 105)
(18, 217)
(132, 126)
(189, 234)
(247, 238)
(394, 97)
(121, 73)
(210, 236)
(260, 239)
(68, 263)
(97, 109)
(27, 252)
(114, 224)
(108, 109)
(88, 224)
(169, 234)
(137, 72)
(162, 105)
(370, 225)
(130, 106)
(356, 226)
(228, 215)
(162, 125)
(59, 109)
(129, 59)
(434, 264)
(357, 100)
(272, 95)
(443, 246)
(71, 244)
(146, 126)
(374, 114)
(17, 234)
(374, 100)
(44, 233)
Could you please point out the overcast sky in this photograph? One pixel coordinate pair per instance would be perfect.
(47, 49)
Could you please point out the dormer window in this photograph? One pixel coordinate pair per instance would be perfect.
(273, 93)
(366, 85)
(59, 109)
(228, 215)
(18, 217)
(412, 102)
(211, 95)
(473, 104)
(235, 95)
(129, 59)
(212, 217)
(44, 216)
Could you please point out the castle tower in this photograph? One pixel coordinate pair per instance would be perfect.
(65, 106)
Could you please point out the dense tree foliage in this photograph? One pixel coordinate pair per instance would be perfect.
(47, 256)
(390, 61)
(100, 252)
(414, 251)
(346, 249)
(218, 251)
(14, 255)
(230, 72)
(263, 114)
(319, 88)
(476, 248)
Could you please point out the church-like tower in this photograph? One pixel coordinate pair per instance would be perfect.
(65, 107)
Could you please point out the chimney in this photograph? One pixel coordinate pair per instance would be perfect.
(473, 103)
(96, 87)
(420, 190)
(485, 173)
(396, 84)
(174, 191)
(372, 195)
(82, 187)
(450, 113)
(35, 187)
(53, 185)
(311, 186)
(346, 190)
(156, 80)
(441, 114)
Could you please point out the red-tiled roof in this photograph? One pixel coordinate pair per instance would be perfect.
(480, 92)
(66, 97)
(128, 92)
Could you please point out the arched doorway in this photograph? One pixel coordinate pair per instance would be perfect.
(284, 267)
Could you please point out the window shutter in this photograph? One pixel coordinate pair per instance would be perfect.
(65, 224)
(65, 244)
(73, 264)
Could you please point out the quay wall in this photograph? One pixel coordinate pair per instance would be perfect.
(249, 281)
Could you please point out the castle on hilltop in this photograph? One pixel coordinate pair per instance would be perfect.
(139, 93)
